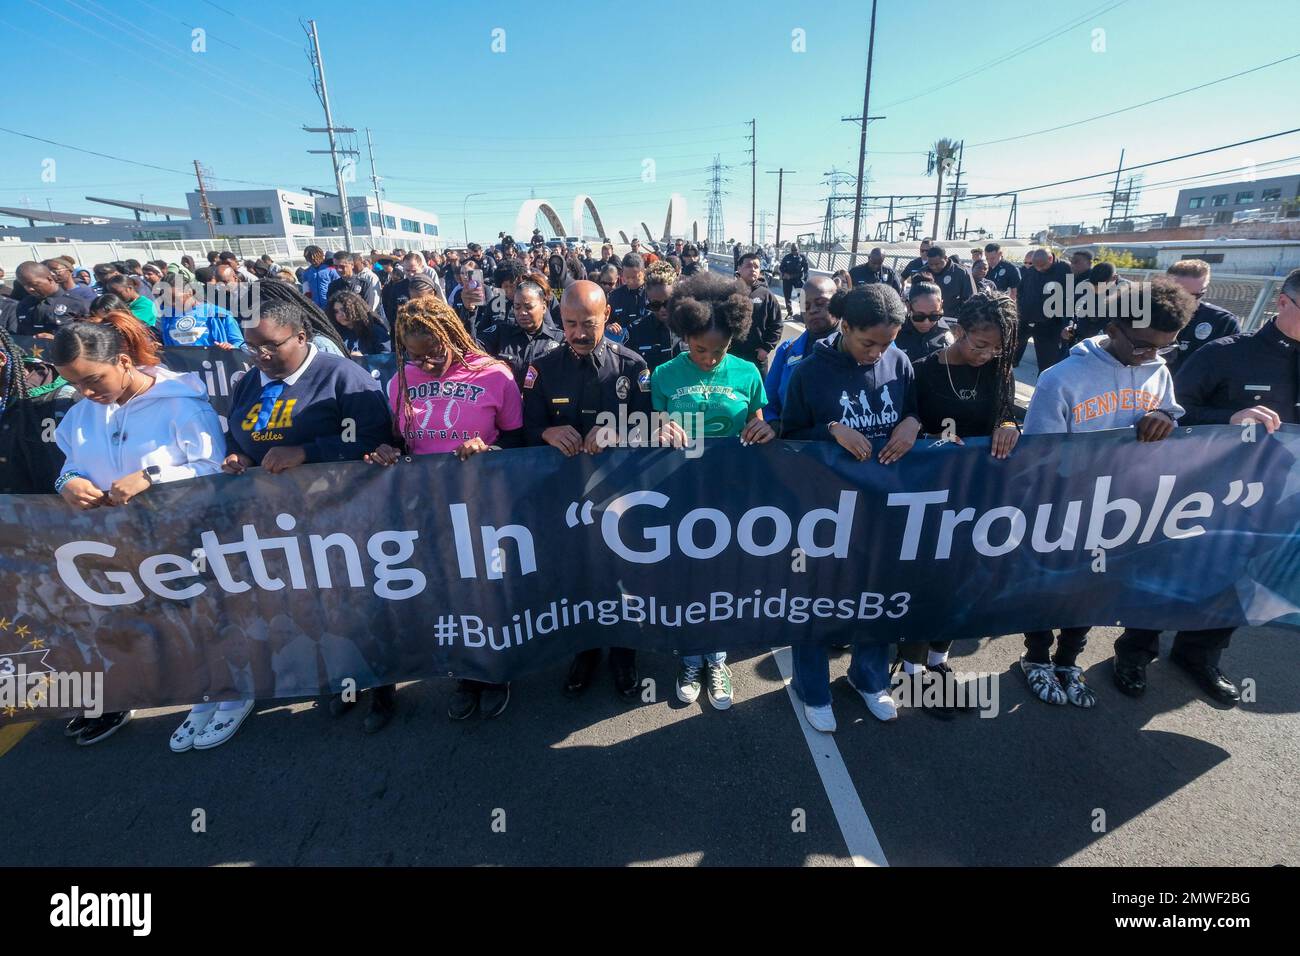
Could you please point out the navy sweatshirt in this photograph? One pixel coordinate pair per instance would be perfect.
(830, 386)
(311, 413)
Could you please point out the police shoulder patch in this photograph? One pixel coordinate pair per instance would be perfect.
(530, 378)
(643, 380)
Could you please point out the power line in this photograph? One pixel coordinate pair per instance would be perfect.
(1125, 109)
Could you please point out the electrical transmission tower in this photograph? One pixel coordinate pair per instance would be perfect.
(835, 179)
(717, 230)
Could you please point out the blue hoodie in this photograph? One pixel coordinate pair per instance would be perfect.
(830, 386)
(785, 360)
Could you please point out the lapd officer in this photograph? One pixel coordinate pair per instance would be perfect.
(47, 306)
(765, 331)
(953, 281)
(627, 302)
(1250, 377)
(1208, 322)
(794, 273)
(564, 392)
(875, 270)
(650, 337)
(920, 262)
(532, 333)
(1004, 275)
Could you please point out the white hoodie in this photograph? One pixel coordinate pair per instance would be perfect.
(171, 426)
(1090, 391)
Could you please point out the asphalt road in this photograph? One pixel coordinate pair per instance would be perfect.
(598, 782)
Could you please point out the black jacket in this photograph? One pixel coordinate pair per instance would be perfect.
(864, 274)
(1223, 377)
(511, 344)
(764, 331)
(912, 268)
(653, 341)
(627, 306)
(47, 315)
(917, 345)
(956, 286)
(28, 463)
(1208, 323)
(564, 388)
(1032, 298)
(794, 267)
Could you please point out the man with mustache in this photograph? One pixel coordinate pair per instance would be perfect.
(564, 392)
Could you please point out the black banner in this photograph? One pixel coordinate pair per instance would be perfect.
(285, 586)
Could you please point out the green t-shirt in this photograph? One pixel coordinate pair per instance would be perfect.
(727, 396)
(144, 310)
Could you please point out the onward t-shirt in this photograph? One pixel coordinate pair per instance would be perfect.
(478, 401)
(726, 397)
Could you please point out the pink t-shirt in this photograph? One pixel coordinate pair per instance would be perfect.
(476, 402)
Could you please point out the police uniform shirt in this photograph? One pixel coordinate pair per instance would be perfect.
(866, 274)
(653, 341)
(627, 306)
(912, 268)
(1208, 322)
(47, 315)
(794, 268)
(1241, 371)
(517, 348)
(1005, 276)
(564, 388)
(955, 285)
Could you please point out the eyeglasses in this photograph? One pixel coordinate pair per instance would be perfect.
(1143, 348)
(926, 316)
(656, 305)
(266, 350)
(991, 353)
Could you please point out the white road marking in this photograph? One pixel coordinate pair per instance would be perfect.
(859, 834)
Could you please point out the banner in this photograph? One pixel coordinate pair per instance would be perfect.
(286, 585)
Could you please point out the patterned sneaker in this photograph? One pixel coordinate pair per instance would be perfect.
(1043, 682)
(1077, 690)
(720, 686)
(688, 683)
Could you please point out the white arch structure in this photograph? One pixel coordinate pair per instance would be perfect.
(528, 215)
(580, 202)
(529, 210)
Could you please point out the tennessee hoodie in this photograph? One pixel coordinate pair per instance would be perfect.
(171, 426)
(1090, 391)
(830, 386)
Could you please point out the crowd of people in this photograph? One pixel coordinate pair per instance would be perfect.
(537, 342)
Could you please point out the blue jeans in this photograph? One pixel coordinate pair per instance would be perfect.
(697, 660)
(868, 669)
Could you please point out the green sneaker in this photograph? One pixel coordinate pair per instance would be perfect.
(688, 683)
(720, 686)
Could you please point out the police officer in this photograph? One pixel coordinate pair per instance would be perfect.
(47, 305)
(564, 392)
(1004, 275)
(627, 302)
(1208, 322)
(920, 262)
(1042, 291)
(530, 336)
(1246, 378)
(875, 270)
(650, 337)
(769, 322)
(794, 273)
(953, 281)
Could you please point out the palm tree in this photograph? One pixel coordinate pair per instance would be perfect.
(942, 159)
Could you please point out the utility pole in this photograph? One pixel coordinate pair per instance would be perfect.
(862, 145)
(203, 201)
(753, 179)
(1011, 218)
(374, 182)
(780, 190)
(956, 193)
(1114, 195)
(318, 81)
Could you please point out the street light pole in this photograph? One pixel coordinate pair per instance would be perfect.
(465, 214)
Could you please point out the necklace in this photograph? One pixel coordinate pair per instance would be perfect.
(964, 394)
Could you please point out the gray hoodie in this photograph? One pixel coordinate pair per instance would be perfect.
(1090, 391)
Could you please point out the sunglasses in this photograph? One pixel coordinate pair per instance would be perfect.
(654, 305)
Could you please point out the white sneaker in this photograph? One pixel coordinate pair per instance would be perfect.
(879, 702)
(821, 718)
(222, 726)
(183, 737)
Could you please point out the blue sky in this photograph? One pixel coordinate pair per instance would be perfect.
(584, 94)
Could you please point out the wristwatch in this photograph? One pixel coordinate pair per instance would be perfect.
(152, 473)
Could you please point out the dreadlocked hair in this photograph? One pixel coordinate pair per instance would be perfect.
(12, 378)
(104, 339)
(315, 321)
(998, 311)
(433, 317)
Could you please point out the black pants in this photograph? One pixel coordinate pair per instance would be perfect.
(617, 655)
(1143, 646)
(787, 285)
(1048, 347)
(916, 652)
(1070, 643)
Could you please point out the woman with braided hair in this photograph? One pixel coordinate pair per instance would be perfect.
(32, 393)
(450, 396)
(966, 390)
(321, 331)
